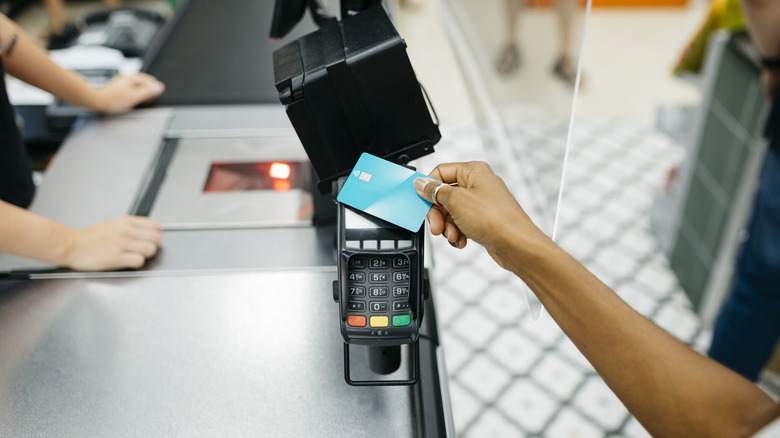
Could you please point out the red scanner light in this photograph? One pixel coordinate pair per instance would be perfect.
(280, 170)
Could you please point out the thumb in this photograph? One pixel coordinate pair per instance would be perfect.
(425, 188)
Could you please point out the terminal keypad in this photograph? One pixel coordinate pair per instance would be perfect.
(378, 287)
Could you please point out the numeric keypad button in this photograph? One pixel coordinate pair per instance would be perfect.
(358, 277)
(378, 263)
(401, 305)
(356, 306)
(400, 262)
(400, 276)
(356, 262)
(378, 277)
(378, 306)
(400, 291)
(377, 292)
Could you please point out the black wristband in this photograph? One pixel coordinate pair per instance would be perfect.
(11, 45)
(771, 63)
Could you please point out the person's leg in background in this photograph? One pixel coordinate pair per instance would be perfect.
(565, 66)
(61, 32)
(56, 11)
(748, 326)
(508, 60)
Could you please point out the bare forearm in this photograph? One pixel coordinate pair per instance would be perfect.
(671, 389)
(763, 17)
(29, 62)
(27, 234)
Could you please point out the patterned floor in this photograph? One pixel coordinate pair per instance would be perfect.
(510, 374)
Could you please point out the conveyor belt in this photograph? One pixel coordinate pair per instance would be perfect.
(218, 52)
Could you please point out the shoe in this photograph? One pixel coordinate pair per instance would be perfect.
(508, 61)
(64, 39)
(566, 70)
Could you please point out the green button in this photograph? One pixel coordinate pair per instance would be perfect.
(401, 320)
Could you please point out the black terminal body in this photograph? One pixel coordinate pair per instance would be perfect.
(380, 280)
(349, 88)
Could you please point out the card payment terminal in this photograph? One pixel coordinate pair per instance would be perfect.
(380, 286)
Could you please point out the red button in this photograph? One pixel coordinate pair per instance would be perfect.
(356, 320)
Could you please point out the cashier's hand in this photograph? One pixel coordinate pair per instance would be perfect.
(125, 242)
(480, 208)
(124, 92)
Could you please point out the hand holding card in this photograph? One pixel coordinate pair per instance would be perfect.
(385, 190)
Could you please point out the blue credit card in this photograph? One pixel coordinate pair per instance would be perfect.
(385, 190)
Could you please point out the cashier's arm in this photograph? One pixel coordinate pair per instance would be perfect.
(26, 60)
(125, 242)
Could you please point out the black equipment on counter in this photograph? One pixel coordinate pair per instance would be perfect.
(349, 88)
(380, 291)
(128, 30)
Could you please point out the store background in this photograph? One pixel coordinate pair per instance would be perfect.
(511, 375)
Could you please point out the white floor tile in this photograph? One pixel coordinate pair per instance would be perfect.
(600, 404)
(633, 429)
(467, 282)
(618, 262)
(528, 405)
(580, 245)
(492, 424)
(465, 407)
(557, 376)
(514, 351)
(637, 299)
(484, 378)
(456, 352)
(681, 323)
(505, 303)
(544, 330)
(474, 327)
(658, 280)
(569, 424)
(568, 350)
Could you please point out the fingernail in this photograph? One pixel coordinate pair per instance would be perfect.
(420, 183)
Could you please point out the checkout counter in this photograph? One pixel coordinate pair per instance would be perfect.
(231, 330)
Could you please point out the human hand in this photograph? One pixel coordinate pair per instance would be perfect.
(124, 92)
(124, 242)
(770, 82)
(479, 208)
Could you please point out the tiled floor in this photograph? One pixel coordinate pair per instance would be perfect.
(513, 375)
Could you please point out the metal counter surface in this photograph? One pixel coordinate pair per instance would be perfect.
(226, 332)
(98, 170)
(104, 165)
(226, 121)
(230, 354)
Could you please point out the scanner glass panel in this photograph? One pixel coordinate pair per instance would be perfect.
(227, 183)
(278, 176)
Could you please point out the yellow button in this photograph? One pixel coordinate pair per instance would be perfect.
(379, 321)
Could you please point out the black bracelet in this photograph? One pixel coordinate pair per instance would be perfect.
(771, 63)
(11, 45)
